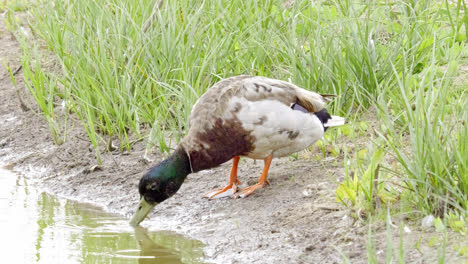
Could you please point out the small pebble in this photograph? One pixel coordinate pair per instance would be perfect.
(427, 221)
(310, 248)
(406, 229)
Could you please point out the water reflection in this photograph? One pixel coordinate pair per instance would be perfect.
(150, 252)
(39, 228)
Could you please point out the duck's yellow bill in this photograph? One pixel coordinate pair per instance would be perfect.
(143, 210)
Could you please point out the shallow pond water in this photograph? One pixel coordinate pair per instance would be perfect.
(39, 228)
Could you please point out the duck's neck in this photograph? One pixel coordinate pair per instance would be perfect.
(172, 170)
(178, 164)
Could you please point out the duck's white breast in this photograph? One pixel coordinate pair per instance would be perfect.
(277, 129)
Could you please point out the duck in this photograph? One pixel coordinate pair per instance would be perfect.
(242, 116)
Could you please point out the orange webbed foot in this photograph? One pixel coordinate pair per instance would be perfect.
(229, 190)
(261, 181)
(248, 190)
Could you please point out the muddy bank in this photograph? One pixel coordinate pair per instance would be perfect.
(294, 220)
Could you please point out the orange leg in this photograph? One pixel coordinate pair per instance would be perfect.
(261, 181)
(233, 181)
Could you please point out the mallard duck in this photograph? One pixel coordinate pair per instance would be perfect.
(241, 116)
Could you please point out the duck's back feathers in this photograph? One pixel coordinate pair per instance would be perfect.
(214, 102)
(262, 88)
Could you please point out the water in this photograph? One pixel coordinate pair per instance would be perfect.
(38, 228)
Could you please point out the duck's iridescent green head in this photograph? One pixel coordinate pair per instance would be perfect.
(160, 183)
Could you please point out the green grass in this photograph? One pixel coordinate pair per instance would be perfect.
(396, 248)
(120, 78)
(433, 154)
(129, 77)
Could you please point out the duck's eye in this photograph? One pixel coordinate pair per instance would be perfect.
(153, 186)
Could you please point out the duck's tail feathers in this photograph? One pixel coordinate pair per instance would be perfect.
(328, 97)
(335, 121)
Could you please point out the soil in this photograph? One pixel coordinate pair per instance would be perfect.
(295, 219)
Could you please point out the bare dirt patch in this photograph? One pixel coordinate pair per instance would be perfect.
(294, 220)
